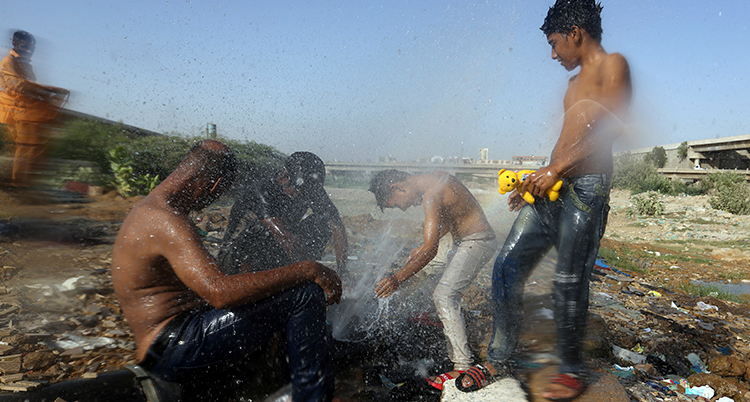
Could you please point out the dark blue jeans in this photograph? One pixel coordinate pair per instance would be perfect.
(210, 336)
(573, 225)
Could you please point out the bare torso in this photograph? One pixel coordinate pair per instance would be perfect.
(457, 211)
(149, 291)
(595, 97)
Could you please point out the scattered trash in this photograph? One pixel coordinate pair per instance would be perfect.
(628, 356)
(600, 264)
(678, 308)
(623, 372)
(697, 364)
(705, 306)
(704, 391)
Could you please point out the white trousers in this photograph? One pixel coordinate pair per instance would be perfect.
(469, 256)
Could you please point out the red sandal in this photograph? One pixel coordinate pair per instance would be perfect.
(443, 377)
(572, 381)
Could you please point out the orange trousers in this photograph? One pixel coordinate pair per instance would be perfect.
(31, 144)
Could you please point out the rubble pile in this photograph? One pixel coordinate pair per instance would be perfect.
(661, 345)
(54, 331)
(669, 346)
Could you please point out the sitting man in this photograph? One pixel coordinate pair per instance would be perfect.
(448, 207)
(186, 313)
(285, 218)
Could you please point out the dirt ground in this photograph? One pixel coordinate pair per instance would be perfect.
(51, 241)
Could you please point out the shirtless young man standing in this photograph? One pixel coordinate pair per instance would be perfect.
(186, 313)
(596, 98)
(448, 207)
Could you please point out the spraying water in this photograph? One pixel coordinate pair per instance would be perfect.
(360, 313)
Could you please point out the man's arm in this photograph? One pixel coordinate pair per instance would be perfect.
(198, 270)
(578, 138)
(420, 256)
(340, 245)
(16, 85)
(283, 237)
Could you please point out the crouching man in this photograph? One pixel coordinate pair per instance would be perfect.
(186, 314)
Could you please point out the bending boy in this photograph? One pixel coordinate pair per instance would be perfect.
(574, 224)
(448, 207)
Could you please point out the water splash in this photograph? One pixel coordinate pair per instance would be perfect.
(360, 314)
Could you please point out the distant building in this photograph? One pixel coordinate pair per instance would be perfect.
(530, 160)
(493, 162)
(484, 154)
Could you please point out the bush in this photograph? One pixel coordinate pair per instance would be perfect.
(657, 157)
(640, 176)
(682, 151)
(141, 162)
(729, 192)
(680, 187)
(157, 155)
(88, 140)
(255, 159)
(647, 203)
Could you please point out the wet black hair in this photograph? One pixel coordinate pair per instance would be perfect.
(380, 184)
(565, 14)
(306, 171)
(24, 36)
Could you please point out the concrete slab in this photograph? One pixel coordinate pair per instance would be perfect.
(506, 390)
(601, 388)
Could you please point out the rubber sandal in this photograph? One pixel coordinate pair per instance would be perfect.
(479, 374)
(444, 377)
(572, 381)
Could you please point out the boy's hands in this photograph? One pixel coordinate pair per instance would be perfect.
(539, 181)
(516, 201)
(387, 286)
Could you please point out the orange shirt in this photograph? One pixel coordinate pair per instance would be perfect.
(20, 98)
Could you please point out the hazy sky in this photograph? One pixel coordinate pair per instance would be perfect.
(352, 80)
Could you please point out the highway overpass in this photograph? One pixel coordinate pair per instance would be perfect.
(355, 169)
(368, 169)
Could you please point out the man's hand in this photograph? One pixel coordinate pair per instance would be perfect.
(386, 287)
(539, 181)
(327, 279)
(516, 201)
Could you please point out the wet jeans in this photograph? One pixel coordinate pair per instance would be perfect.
(573, 225)
(210, 336)
(469, 257)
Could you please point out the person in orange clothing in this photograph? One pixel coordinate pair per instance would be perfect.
(26, 108)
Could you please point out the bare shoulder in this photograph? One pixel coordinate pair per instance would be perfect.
(615, 64)
(153, 218)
